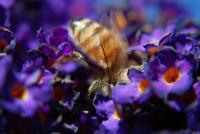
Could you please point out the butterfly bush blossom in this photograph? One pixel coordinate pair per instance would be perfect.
(44, 80)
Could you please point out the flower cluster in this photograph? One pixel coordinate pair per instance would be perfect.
(51, 85)
(163, 93)
(45, 81)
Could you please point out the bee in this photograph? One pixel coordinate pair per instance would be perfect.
(103, 45)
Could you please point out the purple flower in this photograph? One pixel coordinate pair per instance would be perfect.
(140, 79)
(137, 90)
(26, 101)
(169, 73)
(31, 74)
(154, 38)
(30, 90)
(56, 45)
(67, 67)
(126, 93)
(185, 44)
(58, 36)
(108, 109)
(105, 108)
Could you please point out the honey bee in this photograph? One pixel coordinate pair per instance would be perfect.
(103, 45)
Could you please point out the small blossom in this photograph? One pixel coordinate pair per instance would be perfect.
(137, 90)
(174, 75)
(108, 109)
(27, 91)
(154, 39)
(55, 45)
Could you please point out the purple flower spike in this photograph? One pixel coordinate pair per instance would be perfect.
(105, 108)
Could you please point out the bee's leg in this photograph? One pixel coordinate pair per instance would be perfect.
(99, 86)
(123, 77)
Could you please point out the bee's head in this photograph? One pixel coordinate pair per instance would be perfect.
(72, 26)
(74, 23)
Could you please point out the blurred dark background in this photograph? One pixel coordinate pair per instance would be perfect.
(25, 17)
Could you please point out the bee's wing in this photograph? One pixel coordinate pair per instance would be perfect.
(119, 41)
(115, 26)
(118, 58)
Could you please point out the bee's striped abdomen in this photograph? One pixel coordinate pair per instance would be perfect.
(95, 41)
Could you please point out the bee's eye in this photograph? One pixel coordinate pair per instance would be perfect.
(76, 22)
(72, 25)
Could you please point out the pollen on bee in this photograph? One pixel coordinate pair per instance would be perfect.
(171, 75)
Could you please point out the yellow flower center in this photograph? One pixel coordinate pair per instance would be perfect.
(19, 92)
(116, 116)
(153, 51)
(171, 75)
(143, 84)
